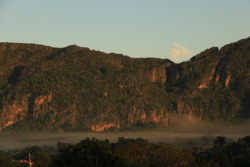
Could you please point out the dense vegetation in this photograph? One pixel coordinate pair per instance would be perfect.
(74, 88)
(133, 153)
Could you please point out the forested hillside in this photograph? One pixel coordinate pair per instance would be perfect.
(78, 89)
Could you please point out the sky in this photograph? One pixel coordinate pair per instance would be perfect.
(167, 29)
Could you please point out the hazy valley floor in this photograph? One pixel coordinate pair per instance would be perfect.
(170, 135)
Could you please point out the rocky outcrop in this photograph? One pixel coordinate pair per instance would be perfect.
(159, 74)
(41, 105)
(26, 107)
(156, 117)
(15, 112)
(101, 126)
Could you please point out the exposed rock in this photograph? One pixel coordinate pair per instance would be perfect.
(202, 86)
(41, 105)
(104, 127)
(157, 117)
(159, 74)
(14, 112)
(227, 81)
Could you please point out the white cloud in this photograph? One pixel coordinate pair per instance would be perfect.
(179, 53)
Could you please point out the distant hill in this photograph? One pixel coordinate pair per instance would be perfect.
(77, 89)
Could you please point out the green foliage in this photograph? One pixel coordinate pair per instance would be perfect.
(3, 82)
(90, 153)
(128, 152)
(37, 155)
(150, 154)
(6, 160)
(235, 154)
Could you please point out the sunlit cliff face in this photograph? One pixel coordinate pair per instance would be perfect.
(227, 81)
(104, 127)
(14, 112)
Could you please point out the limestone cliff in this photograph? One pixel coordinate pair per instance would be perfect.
(78, 89)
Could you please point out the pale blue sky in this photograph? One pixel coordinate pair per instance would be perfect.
(137, 28)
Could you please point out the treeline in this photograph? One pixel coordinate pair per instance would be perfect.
(131, 153)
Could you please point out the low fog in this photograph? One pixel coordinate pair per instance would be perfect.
(188, 130)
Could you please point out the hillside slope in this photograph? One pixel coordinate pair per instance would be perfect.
(74, 88)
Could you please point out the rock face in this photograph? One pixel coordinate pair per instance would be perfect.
(15, 112)
(78, 89)
(155, 117)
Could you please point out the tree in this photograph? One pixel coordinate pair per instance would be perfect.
(220, 141)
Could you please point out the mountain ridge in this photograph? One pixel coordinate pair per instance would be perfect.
(73, 88)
